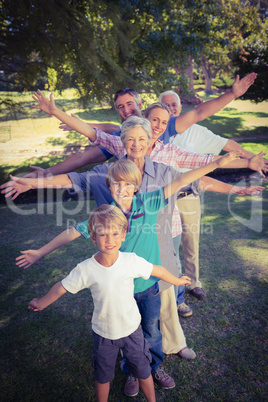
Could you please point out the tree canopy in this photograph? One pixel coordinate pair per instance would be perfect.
(101, 46)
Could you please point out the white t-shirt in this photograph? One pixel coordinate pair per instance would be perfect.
(199, 139)
(115, 314)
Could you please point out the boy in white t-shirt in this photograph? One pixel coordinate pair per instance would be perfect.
(116, 319)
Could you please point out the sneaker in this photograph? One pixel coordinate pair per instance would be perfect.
(187, 353)
(199, 293)
(163, 379)
(184, 310)
(132, 386)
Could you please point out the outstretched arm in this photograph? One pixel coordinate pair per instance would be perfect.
(20, 185)
(29, 257)
(206, 109)
(74, 162)
(165, 275)
(48, 106)
(255, 162)
(232, 145)
(106, 127)
(209, 184)
(54, 294)
(188, 177)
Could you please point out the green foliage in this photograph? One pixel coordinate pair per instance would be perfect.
(228, 23)
(96, 46)
(253, 56)
(99, 47)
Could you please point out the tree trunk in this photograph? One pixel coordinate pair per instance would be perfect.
(208, 75)
(189, 73)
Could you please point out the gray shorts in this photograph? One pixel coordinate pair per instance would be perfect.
(135, 349)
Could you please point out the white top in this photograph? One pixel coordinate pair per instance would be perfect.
(115, 314)
(199, 139)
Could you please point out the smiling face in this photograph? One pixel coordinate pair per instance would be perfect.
(136, 143)
(172, 102)
(127, 106)
(122, 192)
(159, 119)
(108, 240)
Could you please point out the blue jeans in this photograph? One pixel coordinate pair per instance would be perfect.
(179, 290)
(179, 294)
(149, 304)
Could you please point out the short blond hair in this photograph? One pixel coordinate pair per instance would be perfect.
(156, 105)
(108, 216)
(126, 170)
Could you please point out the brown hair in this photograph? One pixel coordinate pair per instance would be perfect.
(125, 91)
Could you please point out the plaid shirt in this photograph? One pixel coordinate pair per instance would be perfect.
(169, 154)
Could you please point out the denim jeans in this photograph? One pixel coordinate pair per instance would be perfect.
(179, 293)
(149, 304)
(179, 290)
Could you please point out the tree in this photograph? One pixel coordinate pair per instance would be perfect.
(230, 21)
(253, 56)
(219, 28)
(98, 47)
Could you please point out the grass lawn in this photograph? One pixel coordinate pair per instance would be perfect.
(46, 356)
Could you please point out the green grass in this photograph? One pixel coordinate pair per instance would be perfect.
(46, 355)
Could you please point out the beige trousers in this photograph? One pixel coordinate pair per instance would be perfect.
(190, 213)
(173, 339)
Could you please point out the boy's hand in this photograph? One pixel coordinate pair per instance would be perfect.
(15, 187)
(259, 164)
(184, 280)
(34, 305)
(227, 158)
(28, 258)
(46, 105)
(239, 87)
(251, 190)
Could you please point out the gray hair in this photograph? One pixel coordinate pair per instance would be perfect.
(135, 121)
(168, 93)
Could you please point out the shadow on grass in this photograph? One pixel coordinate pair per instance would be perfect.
(233, 128)
(233, 111)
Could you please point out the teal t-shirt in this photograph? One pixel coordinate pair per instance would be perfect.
(141, 237)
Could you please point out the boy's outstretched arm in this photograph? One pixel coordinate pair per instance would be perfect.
(20, 185)
(29, 257)
(48, 106)
(207, 109)
(188, 177)
(165, 275)
(54, 294)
